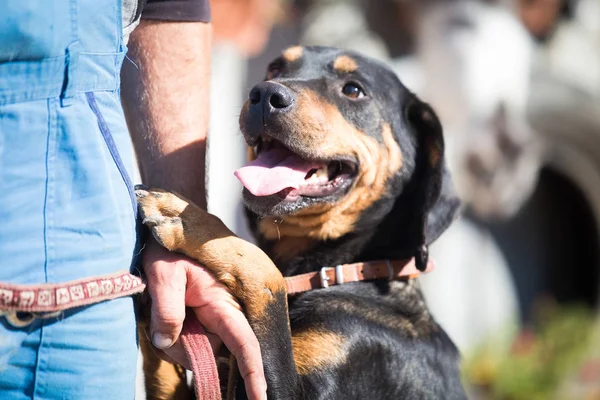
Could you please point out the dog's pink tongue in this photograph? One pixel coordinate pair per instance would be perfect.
(273, 171)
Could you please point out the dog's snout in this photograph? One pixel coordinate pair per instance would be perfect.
(270, 98)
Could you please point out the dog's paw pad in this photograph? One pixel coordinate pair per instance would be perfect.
(168, 222)
(153, 220)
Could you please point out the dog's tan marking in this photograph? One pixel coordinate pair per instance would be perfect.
(326, 134)
(163, 380)
(345, 64)
(293, 53)
(317, 349)
(233, 378)
(395, 154)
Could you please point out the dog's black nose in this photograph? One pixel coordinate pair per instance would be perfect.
(270, 98)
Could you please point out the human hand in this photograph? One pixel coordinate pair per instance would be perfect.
(174, 283)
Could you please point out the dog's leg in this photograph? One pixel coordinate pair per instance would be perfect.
(247, 272)
(163, 380)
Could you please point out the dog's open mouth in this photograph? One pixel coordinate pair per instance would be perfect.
(278, 170)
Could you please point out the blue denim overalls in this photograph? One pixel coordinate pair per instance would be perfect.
(67, 209)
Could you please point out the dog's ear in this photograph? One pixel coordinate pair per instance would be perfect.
(435, 201)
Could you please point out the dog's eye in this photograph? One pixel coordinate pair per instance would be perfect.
(273, 73)
(353, 91)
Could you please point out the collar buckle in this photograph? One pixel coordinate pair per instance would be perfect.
(390, 270)
(339, 275)
(324, 277)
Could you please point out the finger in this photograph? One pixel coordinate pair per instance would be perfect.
(166, 285)
(239, 338)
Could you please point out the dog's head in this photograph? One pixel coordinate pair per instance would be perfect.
(338, 145)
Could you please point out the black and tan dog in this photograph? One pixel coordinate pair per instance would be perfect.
(347, 167)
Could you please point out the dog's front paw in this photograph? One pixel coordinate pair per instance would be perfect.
(161, 212)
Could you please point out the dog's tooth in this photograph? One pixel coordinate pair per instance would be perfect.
(322, 172)
(312, 178)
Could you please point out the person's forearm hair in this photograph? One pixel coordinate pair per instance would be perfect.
(165, 95)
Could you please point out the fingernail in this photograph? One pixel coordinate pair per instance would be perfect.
(161, 340)
(265, 396)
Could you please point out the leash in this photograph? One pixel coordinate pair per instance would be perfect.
(202, 359)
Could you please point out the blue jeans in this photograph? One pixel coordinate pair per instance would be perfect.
(67, 209)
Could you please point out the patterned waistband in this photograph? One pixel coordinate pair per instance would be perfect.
(53, 297)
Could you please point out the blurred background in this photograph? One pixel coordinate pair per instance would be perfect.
(516, 84)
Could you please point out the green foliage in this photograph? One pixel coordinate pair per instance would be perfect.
(539, 361)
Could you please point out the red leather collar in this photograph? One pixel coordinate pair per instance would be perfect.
(361, 271)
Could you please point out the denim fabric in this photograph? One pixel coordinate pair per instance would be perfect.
(66, 206)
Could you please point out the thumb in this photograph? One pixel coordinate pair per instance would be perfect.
(166, 286)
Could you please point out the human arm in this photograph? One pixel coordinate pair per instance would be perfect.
(165, 97)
